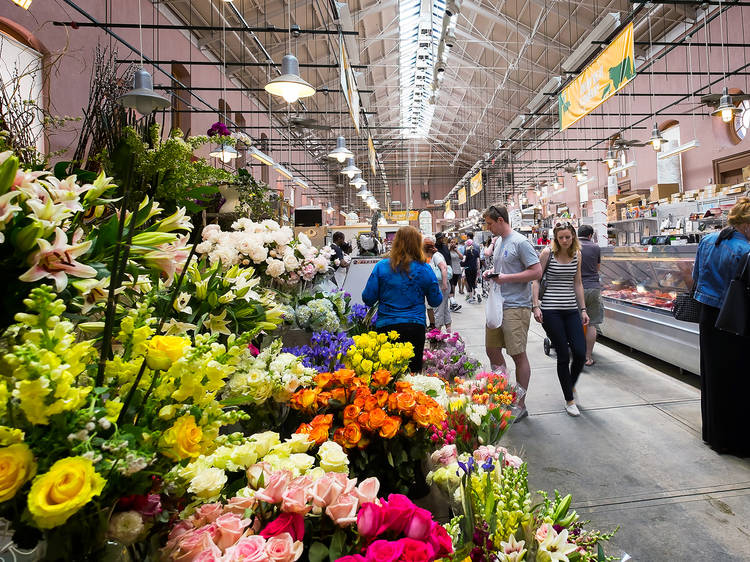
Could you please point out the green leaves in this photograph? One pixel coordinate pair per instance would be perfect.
(619, 74)
(318, 552)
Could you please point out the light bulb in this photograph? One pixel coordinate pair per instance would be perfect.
(656, 144)
(727, 115)
(290, 94)
(225, 157)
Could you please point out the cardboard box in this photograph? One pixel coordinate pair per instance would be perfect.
(614, 211)
(631, 199)
(746, 173)
(662, 190)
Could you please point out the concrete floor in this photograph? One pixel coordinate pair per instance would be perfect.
(634, 457)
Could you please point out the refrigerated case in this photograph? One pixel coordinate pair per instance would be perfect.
(639, 284)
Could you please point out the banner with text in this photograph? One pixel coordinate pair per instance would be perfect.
(348, 85)
(475, 183)
(372, 154)
(462, 196)
(404, 215)
(599, 81)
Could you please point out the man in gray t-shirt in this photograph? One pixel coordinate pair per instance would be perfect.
(590, 261)
(517, 265)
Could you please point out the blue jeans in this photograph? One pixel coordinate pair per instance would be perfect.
(565, 330)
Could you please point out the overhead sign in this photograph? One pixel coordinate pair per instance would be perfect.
(371, 153)
(348, 85)
(404, 215)
(447, 206)
(475, 183)
(462, 196)
(599, 81)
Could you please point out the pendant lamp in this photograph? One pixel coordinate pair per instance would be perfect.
(358, 181)
(726, 108)
(610, 159)
(224, 152)
(580, 172)
(351, 170)
(142, 97)
(290, 84)
(656, 139)
(340, 153)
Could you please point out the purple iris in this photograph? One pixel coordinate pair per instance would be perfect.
(325, 352)
(467, 467)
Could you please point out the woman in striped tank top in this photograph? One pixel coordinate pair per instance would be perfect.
(558, 309)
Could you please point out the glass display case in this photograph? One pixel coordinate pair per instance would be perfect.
(639, 284)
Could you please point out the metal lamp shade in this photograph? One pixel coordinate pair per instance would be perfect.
(224, 152)
(351, 170)
(656, 139)
(142, 97)
(340, 153)
(290, 84)
(358, 181)
(610, 159)
(727, 110)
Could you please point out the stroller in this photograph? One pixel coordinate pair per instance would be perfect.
(548, 349)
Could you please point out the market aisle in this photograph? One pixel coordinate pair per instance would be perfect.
(634, 458)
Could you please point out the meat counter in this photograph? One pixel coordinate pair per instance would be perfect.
(639, 284)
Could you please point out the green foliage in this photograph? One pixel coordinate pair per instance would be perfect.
(257, 201)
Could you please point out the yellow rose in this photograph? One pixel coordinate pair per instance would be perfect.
(333, 458)
(162, 351)
(17, 467)
(367, 366)
(182, 440)
(68, 486)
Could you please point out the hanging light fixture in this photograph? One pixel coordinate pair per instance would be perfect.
(261, 156)
(727, 110)
(580, 172)
(224, 152)
(351, 170)
(283, 171)
(357, 181)
(290, 84)
(610, 158)
(330, 209)
(656, 139)
(340, 153)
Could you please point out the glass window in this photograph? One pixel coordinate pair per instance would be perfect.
(742, 120)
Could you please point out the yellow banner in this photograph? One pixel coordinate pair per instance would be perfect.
(372, 154)
(404, 215)
(348, 84)
(462, 196)
(447, 206)
(599, 81)
(475, 183)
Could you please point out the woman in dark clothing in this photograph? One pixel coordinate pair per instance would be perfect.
(725, 384)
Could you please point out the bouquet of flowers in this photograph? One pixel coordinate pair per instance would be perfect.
(326, 351)
(271, 249)
(374, 420)
(447, 357)
(480, 411)
(320, 311)
(361, 319)
(373, 352)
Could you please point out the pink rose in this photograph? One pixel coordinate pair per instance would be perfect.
(541, 532)
(247, 549)
(260, 470)
(420, 525)
(351, 558)
(231, 527)
(239, 504)
(326, 490)
(207, 513)
(384, 551)
(416, 551)
(177, 531)
(294, 500)
(194, 543)
(398, 511)
(282, 548)
(369, 520)
(292, 523)
(302, 481)
(275, 487)
(212, 555)
(440, 540)
(368, 489)
(344, 510)
(445, 455)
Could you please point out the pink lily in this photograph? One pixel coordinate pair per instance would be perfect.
(169, 258)
(26, 182)
(66, 192)
(57, 261)
(7, 210)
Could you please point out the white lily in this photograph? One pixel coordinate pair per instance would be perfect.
(57, 261)
(217, 323)
(513, 550)
(181, 303)
(556, 545)
(50, 215)
(176, 221)
(175, 328)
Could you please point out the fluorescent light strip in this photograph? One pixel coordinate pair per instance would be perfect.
(587, 180)
(682, 148)
(261, 156)
(622, 168)
(283, 171)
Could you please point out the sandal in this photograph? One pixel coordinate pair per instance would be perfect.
(589, 362)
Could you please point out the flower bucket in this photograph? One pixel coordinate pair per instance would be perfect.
(294, 337)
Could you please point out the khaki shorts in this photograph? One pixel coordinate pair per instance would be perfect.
(512, 334)
(594, 306)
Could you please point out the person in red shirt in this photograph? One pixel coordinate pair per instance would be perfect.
(543, 240)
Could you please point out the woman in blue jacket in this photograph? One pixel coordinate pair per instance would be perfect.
(399, 285)
(725, 384)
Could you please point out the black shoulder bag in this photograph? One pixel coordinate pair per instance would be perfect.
(543, 279)
(734, 316)
(685, 307)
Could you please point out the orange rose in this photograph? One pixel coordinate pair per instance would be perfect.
(377, 418)
(344, 376)
(340, 395)
(393, 401)
(406, 401)
(402, 385)
(351, 412)
(423, 415)
(437, 415)
(322, 379)
(381, 377)
(306, 397)
(364, 419)
(362, 392)
(363, 443)
(359, 401)
(304, 428)
(338, 436)
(322, 419)
(370, 403)
(390, 427)
(319, 434)
(323, 399)
(352, 435)
(382, 397)
(410, 429)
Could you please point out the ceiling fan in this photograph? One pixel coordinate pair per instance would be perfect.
(299, 122)
(712, 100)
(621, 143)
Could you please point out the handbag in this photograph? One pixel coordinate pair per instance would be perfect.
(543, 278)
(734, 316)
(686, 308)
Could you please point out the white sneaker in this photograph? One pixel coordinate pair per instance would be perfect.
(572, 410)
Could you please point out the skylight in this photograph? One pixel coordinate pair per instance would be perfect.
(419, 32)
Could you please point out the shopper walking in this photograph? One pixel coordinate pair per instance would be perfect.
(442, 313)
(340, 259)
(725, 384)
(471, 268)
(516, 265)
(399, 284)
(591, 259)
(457, 271)
(558, 308)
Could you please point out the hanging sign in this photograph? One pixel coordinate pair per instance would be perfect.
(462, 196)
(447, 206)
(404, 215)
(371, 153)
(475, 183)
(599, 81)
(348, 84)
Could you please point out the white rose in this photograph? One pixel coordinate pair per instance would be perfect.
(298, 443)
(290, 262)
(275, 268)
(283, 236)
(126, 527)
(207, 484)
(258, 253)
(304, 240)
(333, 458)
(264, 441)
(302, 461)
(269, 224)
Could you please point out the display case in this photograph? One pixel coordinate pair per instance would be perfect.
(639, 284)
